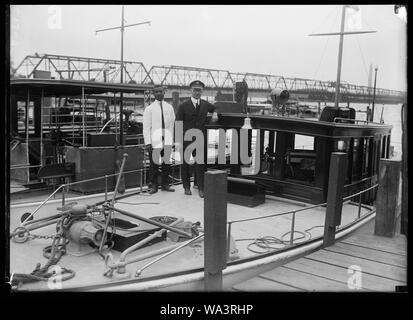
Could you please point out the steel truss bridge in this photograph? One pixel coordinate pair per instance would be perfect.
(179, 77)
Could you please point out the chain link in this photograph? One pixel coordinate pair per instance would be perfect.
(38, 236)
(23, 235)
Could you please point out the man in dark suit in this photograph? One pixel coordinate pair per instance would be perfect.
(193, 113)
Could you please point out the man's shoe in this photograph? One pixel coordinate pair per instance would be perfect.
(201, 193)
(188, 192)
(153, 190)
(168, 188)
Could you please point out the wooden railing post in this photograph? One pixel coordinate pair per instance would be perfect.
(215, 228)
(387, 195)
(338, 169)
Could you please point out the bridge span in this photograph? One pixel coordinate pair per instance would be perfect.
(179, 77)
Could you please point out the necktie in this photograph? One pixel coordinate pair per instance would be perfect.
(163, 122)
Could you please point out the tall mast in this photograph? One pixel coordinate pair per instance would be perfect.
(122, 29)
(340, 56)
(340, 49)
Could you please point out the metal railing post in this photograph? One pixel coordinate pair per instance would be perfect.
(140, 181)
(292, 229)
(228, 239)
(63, 195)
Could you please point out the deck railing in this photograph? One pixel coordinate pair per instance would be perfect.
(65, 188)
(142, 187)
(264, 241)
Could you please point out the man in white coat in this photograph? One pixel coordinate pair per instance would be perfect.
(158, 130)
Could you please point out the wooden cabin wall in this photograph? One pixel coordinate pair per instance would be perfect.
(378, 153)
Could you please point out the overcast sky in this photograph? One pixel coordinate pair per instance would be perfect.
(257, 39)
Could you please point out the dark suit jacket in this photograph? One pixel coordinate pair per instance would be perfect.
(194, 118)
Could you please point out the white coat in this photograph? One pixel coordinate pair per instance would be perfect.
(152, 124)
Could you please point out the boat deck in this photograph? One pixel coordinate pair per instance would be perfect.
(89, 269)
(381, 260)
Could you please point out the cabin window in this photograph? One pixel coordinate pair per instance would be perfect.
(300, 162)
(383, 146)
(388, 154)
(370, 156)
(345, 146)
(366, 154)
(373, 157)
(270, 138)
(302, 142)
(376, 155)
(268, 152)
(21, 116)
(357, 158)
(341, 146)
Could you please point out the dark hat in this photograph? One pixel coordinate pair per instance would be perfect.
(197, 83)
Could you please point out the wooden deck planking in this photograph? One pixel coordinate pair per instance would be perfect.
(391, 245)
(371, 267)
(264, 284)
(383, 262)
(305, 281)
(369, 282)
(369, 254)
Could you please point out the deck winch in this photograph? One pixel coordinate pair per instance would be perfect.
(83, 233)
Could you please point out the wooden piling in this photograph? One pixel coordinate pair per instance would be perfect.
(337, 172)
(405, 195)
(387, 194)
(215, 228)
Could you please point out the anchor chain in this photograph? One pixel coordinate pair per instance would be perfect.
(21, 235)
(53, 253)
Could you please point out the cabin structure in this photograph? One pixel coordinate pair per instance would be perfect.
(47, 116)
(300, 172)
